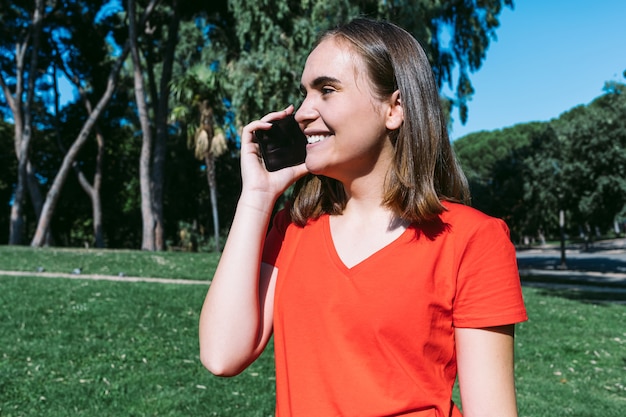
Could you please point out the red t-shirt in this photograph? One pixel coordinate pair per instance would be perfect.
(377, 339)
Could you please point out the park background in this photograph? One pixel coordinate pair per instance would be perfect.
(119, 132)
(120, 119)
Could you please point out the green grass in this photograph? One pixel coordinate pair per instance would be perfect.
(571, 357)
(94, 348)
(99, 348)
(185, 265)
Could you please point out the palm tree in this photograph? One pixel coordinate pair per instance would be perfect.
(193, 92)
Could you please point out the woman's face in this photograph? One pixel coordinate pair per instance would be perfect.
(344, 122)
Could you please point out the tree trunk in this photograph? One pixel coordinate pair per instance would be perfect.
(16, 230)
(161, 117)
(23, 120)
(92, 190)
(206, 124)
(154, 149)
(147, 214)
(96, 205)
(96, 202)
(53, 195)
(209, 159)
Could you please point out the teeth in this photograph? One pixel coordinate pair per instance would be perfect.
(315, 138)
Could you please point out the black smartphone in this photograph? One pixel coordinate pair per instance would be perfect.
(283, 145)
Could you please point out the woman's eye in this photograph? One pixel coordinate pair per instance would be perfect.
(327, 90)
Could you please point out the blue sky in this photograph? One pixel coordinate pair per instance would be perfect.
(549, 56)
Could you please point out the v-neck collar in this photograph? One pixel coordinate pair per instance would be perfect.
(339, 263)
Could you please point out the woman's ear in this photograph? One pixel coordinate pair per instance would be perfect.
(395, 112)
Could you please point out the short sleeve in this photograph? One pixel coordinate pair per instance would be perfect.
(275, 237)
(488, 291)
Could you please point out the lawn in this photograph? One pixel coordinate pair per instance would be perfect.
(571, 357)
(100, 348)
(129, 263)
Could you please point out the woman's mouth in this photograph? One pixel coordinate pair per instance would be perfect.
(316, 138)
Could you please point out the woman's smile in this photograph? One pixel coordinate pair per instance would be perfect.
(316, 138)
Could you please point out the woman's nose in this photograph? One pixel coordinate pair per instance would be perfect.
(306, 112)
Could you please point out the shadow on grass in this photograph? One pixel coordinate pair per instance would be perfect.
(555, 286)
(596, 263)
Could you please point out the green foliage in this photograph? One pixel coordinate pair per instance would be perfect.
(594, 140)
(481, 151)
(527, 173)
(273, 38)
(494, 163)
(544, 188)
(193, 238)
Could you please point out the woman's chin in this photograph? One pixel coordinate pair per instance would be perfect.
(313, 166)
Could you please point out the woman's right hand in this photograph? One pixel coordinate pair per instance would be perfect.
(237, 315)
(257, 181)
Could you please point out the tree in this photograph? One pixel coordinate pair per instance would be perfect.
(147, 212)
(594, 148)
(494, 163)
(157, 44)
(209, 143)
(576, 164)
(8, 166)
(53, 194)
(198, 103)
(25, 35)
(271, 43)
(78, 54)
(545, 189)
(204, 135)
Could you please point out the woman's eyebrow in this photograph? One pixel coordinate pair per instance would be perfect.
(321, 81)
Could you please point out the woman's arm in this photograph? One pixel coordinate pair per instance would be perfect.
(486, 371)
(236, 318)
(235, 323)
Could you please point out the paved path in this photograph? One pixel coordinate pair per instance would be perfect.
(608, 262)
(595, 274)
(99, 277)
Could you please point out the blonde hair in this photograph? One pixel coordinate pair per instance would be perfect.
(425, 170)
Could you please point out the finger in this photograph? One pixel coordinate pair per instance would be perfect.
(299, 170)
(247, 133)
(278, 114)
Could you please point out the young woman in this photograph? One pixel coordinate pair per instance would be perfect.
(378, 284)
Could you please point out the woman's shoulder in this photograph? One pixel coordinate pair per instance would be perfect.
(457, 210)
(282, 220)
(283, 233)
(462, 217)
